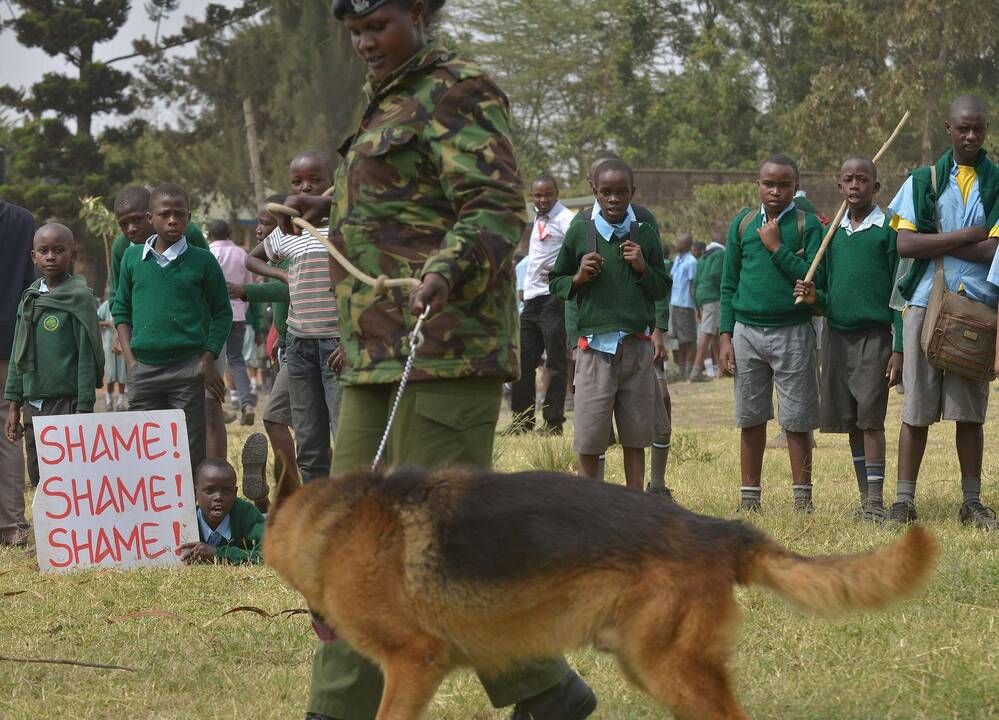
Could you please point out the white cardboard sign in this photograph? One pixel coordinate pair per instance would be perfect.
(114, 490)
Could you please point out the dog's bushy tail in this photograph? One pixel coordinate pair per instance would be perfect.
(832, 584)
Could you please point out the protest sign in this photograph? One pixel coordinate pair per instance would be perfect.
(115, 489)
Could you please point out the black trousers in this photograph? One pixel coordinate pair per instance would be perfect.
(542, 330)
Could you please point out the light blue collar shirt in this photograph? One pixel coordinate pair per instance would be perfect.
(683, 273)
(954, 214)
(169, 255)
(221, 534)
(605, 229)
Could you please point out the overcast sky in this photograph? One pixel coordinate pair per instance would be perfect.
(21, 66)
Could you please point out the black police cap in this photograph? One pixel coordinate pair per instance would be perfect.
(355, 8)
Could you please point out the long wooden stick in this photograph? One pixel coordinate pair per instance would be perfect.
(842, 208)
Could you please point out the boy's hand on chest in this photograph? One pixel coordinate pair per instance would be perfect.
(770, 235)
(632, 254)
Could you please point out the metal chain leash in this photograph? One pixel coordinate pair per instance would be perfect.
(415, 341)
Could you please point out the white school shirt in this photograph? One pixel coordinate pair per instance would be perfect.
(547, 235)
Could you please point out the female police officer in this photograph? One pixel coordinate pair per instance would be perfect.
(428, 188)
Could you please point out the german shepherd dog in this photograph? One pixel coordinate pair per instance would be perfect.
(424, 572)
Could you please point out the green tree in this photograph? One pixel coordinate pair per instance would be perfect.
(279, 61)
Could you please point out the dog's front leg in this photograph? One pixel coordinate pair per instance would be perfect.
(410, 684)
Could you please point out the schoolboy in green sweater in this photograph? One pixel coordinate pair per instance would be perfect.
(173, 317)
(859, 365)
(663, 423)
(616, 282)
(230, 528)
(131, 210)
(766, 339)
(58, 356)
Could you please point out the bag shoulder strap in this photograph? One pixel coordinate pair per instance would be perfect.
(748, 218)
(633, 232)
(591, 236)
(938, 260)
(801, 226)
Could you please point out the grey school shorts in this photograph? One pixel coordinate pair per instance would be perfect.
(782, 356)
(854, 386)
(621, 387)
(278, 408)
(710, 318)
(931, 394)
(682, 324)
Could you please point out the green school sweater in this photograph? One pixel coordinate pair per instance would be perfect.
(859, 271)
(64, 360)
(192, 232)
(643, 215)
(618, 298)
(274, 292)
(757, 286)
(707, 280)
(247, 527)
(175, 312)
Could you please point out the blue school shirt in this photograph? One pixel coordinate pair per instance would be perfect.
(957, 209)
(221, 534)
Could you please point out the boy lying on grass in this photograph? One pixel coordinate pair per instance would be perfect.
(231, 529)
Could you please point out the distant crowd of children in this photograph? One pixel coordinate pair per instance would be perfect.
(601, 300)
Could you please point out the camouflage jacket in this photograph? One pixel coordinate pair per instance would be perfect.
(429, 183)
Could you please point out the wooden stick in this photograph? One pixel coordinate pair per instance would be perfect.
(842, 208)
(78, 663)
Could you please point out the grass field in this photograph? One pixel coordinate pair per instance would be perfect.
(933, 657)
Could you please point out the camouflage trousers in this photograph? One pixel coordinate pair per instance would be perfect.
(439, 423)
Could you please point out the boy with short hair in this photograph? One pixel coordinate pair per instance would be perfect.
(173, 317)
(707, 297)
(58, 358)
(232, 260)
(314, 355)
(946, 213)
(231, 529)
(613, 268)
(766, 339)
(859, 366)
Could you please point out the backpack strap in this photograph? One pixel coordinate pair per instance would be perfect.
(747, 218)
(801, 225)
(633, 232)
(591, 236)
(936, 195)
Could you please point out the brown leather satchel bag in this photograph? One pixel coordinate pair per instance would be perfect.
(959, 334)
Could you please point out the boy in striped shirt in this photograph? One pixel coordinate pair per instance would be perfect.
(313, 353)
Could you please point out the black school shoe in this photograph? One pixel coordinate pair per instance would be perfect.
(254, 458)
(979, 516)
(571, 699)
(903, 512)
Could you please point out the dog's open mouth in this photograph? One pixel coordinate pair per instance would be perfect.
(323, 631)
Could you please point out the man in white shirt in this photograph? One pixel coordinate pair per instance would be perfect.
(542, 322)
